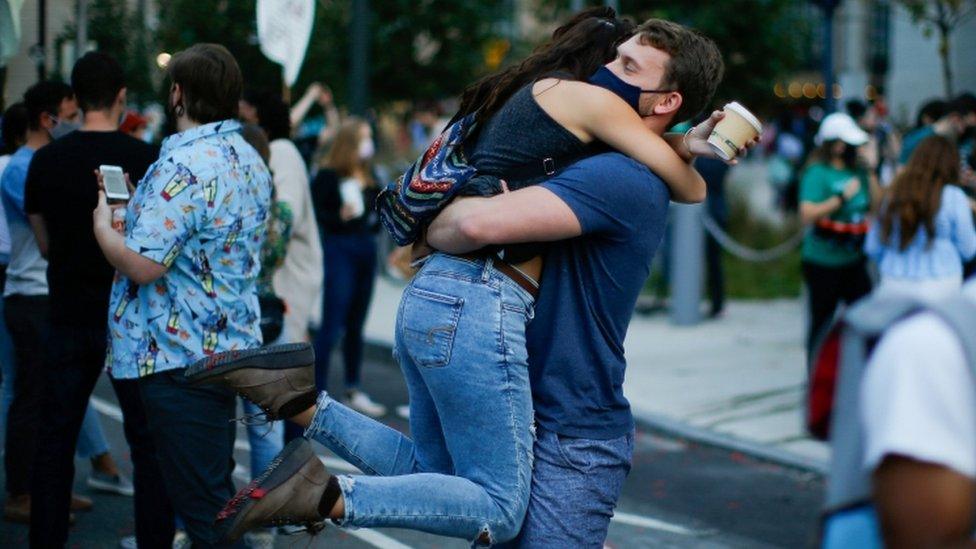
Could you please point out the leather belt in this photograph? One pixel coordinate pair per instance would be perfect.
(516, 276)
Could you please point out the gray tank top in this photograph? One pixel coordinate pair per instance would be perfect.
(519, 136)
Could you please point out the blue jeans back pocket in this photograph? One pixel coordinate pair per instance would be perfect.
(429, 323)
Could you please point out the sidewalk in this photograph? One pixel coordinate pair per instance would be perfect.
(737, 382)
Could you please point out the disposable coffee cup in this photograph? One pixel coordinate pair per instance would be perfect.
(735, 130)
(352, 195)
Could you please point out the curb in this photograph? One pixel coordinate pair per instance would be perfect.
(658, 423)
(665, 425)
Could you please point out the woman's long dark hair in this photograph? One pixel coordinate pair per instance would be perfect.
(916, 193)
(579, 47)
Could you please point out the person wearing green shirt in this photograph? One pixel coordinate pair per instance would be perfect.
(835, 199)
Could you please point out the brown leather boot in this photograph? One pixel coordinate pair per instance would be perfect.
(81, 503)
(17, 508)
(280, 379)
(288, 492)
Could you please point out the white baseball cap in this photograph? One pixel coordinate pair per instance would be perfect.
(841, 126)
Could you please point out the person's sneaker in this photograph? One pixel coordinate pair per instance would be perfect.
(114, 484)
(360, 401)
(181, 540)
(128, 542)
(17, 509)
(288, 492)
(279, 379)
(403, 411)
(81, 503)
(260, 539)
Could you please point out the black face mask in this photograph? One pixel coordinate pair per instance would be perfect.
(849, 155)
(631, 94)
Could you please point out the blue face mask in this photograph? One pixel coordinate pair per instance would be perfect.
(631, 94)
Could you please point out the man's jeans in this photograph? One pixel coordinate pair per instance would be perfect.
(575, 486)
(75, 358)
(194, 433)
(460, 340)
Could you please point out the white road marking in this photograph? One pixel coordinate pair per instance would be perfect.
(373, 537)
(243, 474)
(376, 539)
(650, 523)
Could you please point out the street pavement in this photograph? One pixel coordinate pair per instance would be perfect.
(719, 407)
(738, 381)
(679, 493)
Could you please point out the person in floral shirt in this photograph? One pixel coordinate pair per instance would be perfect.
(186, 282)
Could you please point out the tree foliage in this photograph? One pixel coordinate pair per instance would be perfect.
(232, 23)
(761, 40)
(425, 49)
(944, 17)
(116, 29)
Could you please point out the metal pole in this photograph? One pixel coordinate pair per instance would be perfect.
(40, 57)
(359, 58)
(828, 57)
(81, 35)
(687, 254)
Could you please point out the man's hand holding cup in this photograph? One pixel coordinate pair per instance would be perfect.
(726, 134)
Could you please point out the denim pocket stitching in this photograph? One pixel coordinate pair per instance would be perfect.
(456, 303)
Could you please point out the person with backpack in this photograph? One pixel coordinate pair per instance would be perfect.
(902, 422)
(925, 230)
(835, 198)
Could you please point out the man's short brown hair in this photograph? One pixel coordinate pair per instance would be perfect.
(211, 82)
(695, 69)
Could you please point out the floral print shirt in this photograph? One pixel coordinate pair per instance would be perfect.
(201, 210)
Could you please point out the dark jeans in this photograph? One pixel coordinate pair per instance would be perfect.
(576, 483)
(75, 358)
(27, 322)
(194, 434)
(350, 267)
(828, 287)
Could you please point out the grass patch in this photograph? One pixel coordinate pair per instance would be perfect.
(746, 280)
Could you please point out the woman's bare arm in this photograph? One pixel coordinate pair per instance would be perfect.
(606, 117)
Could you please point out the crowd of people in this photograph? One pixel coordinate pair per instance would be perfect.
(247, 250)
(224, 203)
(898, 211)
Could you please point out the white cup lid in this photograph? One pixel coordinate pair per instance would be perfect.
(744, 113)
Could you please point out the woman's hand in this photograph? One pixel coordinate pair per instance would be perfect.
(852, 187)
(347, 212)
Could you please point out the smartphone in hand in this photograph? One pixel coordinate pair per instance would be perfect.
(116, 189)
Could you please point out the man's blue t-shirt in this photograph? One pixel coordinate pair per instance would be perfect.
(590, 286)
